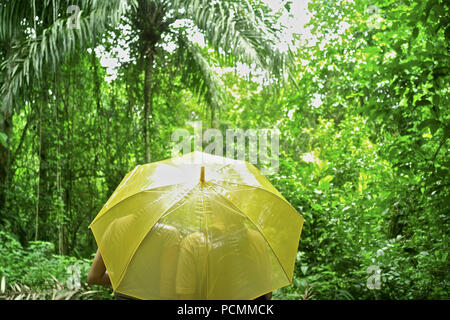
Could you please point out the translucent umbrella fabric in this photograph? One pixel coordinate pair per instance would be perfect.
(170, 232)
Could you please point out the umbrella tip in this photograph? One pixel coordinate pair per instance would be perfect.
(202, 174)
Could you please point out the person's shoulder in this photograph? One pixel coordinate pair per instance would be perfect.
(169, 233)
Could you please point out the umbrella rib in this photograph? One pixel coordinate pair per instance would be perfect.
(146, 233)
(259, 188)
(262, 189)
(134, 194)
(207, 243)
(235, 208)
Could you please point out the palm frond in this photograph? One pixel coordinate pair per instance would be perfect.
(241, 31)
(27, 57)
(198, 74)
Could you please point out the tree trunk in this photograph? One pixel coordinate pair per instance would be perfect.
(36, 216)
(148, 97)
(47, 177)
(68, 175)
(6, 128)
(96, 82)
(213, 117)
(59, 128)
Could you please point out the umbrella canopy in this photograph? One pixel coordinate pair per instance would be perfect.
(197, 226)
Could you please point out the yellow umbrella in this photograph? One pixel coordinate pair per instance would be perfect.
(197, 226)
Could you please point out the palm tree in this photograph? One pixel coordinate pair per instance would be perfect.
(239, 30)
(35, 37)
(37, 34)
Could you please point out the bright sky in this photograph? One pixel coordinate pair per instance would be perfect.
(294, 21)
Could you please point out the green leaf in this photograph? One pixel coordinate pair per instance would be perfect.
(423, 102)
(304, 269)
(447, 132)
(433, 124)
(326, 179)
(4, 139)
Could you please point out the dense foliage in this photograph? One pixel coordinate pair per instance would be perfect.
(363, 116)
